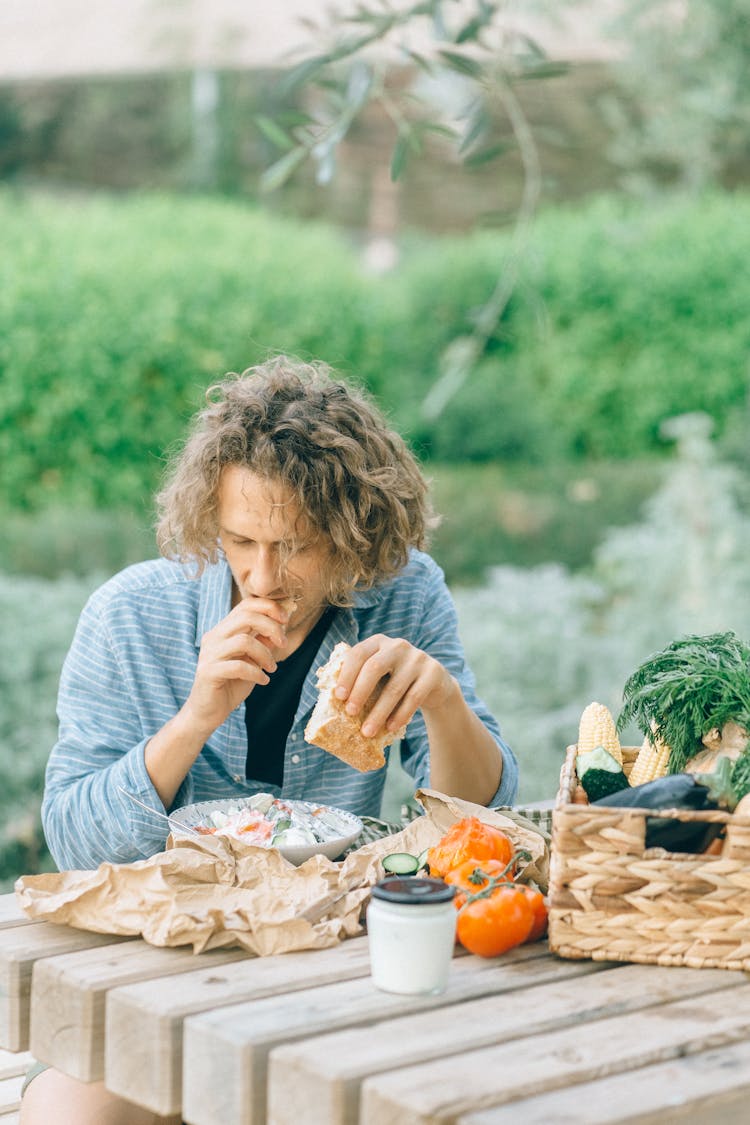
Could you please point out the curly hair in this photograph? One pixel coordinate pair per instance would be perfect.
(352, 477)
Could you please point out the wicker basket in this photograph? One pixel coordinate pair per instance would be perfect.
(611, 899)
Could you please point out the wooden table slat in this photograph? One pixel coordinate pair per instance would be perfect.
(11, 913)
(713, 1085)
(20, 948)
(436, 1092)
(326, 1074)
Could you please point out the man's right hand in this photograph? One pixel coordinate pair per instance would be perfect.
(235, 655)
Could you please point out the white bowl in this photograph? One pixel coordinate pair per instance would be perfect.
(191, 815)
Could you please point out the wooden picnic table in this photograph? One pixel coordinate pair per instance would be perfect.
(305, 1038)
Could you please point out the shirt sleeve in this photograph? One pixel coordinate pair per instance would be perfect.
(438, 636)
(86, 816)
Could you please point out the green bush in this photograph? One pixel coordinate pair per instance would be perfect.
(644, 317)
(69, 541)
(116, 314)
(624, 314)
(528, 515)
(493, 416)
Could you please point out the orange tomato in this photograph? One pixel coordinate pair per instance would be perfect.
(469, 838)
(471, 876)
(538, 909)
(492, 925)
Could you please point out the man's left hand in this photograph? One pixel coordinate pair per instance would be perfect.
(414, 681)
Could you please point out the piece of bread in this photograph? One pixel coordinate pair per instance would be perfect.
(340, 734)
(289, 605)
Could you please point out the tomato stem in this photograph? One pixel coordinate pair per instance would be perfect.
(492, 882)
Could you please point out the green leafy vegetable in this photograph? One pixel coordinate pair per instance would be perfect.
(600, 773)
(693, 685)
(741, 776)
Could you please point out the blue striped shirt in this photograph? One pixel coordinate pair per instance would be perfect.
(131, 667)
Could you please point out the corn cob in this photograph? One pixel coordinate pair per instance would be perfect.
(652, 762)
(597, 728)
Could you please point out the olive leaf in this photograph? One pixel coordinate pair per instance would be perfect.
(281, 170)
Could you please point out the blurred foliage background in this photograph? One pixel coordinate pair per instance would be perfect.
(590, 460)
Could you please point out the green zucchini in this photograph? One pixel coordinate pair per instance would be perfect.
(401, 863)
(600, 773)
(422, 859)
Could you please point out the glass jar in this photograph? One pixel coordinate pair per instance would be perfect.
(411, 925)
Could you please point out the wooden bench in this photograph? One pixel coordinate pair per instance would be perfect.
(13, 1067)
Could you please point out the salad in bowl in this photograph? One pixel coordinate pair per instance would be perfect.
(299, 829)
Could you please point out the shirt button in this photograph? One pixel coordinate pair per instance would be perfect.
(295, 758)
(238, 778)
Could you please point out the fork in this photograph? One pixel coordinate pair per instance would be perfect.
(173, 824)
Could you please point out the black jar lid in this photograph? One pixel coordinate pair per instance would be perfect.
(413, 889)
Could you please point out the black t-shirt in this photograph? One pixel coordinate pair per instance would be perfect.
(270, 708)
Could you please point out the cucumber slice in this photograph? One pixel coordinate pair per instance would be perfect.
(400, 863)
(422, 859)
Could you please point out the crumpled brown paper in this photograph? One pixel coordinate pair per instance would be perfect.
(212, 892)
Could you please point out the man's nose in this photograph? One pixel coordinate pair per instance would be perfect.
(265, 572)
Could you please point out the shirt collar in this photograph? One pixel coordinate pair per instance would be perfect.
(365, 599)
(215, 600)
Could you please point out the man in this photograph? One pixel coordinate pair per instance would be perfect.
(292, 519)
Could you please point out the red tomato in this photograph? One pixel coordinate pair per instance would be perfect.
(538, 909)
(469, 838)
(490, 926)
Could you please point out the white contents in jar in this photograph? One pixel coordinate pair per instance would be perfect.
(411, 923)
